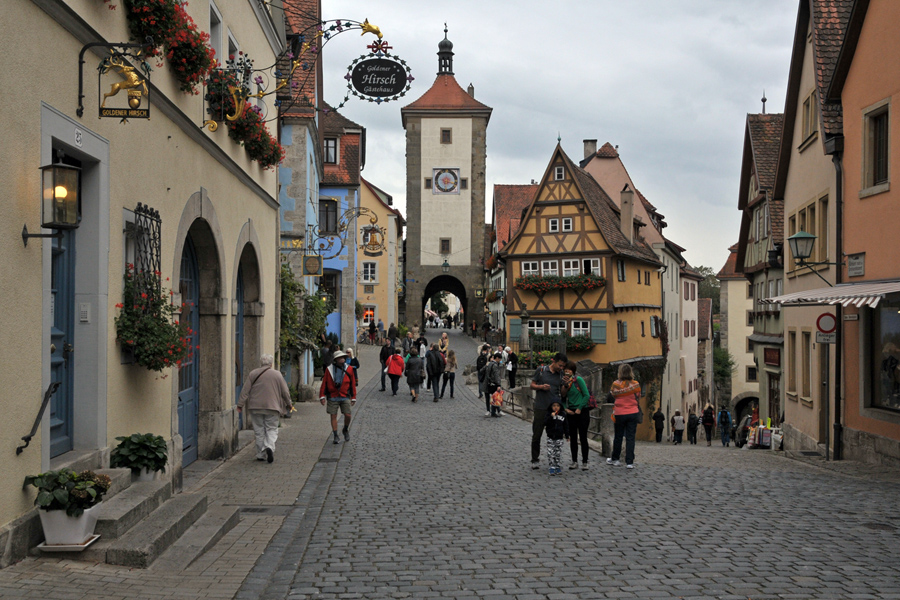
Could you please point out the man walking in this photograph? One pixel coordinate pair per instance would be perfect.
(408, 343)
(546, 382)
(659, 421)
(380, 328)
(386, 352)
(339, 392)
(392, 334)
(434, 365)
(268, 397)
(724, 423)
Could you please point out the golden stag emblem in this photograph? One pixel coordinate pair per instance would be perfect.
(134, 83)
(369, 28)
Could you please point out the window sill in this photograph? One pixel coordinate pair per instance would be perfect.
(806, 401)
(875, 190)
(791, 396)
(808, 141)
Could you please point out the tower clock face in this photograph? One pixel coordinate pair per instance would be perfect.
(446, 181)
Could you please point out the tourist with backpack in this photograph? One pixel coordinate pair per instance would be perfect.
(578, 413)
(708, 420)
(725, 426)
(692, 426)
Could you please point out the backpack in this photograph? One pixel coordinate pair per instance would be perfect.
(693, 421)
(708, 417)
(725, 418)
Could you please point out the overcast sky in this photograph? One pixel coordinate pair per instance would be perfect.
(669, 82)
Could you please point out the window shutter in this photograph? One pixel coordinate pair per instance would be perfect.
(654, 326)
(598, 332)
(624, 330)
(515, 330)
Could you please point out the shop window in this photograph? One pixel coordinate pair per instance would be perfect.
(884, 333)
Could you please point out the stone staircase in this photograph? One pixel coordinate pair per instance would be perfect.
(142, 522)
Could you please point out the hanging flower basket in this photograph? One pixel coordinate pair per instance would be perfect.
(537, 283)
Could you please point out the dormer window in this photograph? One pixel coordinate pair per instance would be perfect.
(559, 173)
(331, 151)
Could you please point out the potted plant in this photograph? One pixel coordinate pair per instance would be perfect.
(67, 501)
(144, 453)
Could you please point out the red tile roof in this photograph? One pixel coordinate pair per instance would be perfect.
(509, 200)
(446, 93)
(301, 18)
(334, 122)
(704, 314)
(607, 150)
(728, 270)
(830, 19)
(764, 132)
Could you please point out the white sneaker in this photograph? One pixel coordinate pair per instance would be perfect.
(574, 465)
(535, 465)
(487, 414)
(629, 466)
(613, 463)
(584, 466)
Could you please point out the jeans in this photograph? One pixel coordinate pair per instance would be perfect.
(435, 384)
(692, 435)
(659, 432)
(537, 430)
(678, 434)
(578, 428)
(726, 435)
(395, 383)
(265, 427)
(708, 428)
(626, 425)
(451, 377)
(383, 374)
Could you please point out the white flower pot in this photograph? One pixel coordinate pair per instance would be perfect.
(61, 529)
(144, 475)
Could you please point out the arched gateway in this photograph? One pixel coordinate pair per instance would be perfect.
(446, 147)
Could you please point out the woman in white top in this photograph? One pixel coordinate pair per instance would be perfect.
(678, 426)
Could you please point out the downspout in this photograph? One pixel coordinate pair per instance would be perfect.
(835, 147)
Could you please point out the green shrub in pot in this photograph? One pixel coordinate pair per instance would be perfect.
(139, 452)
(69, 491)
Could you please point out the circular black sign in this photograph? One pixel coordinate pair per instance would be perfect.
(378, 77)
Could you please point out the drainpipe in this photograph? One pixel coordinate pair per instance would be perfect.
(835, 147)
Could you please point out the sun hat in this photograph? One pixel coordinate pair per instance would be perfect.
(338, 354)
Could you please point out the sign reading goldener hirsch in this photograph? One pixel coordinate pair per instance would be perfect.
(379, 77)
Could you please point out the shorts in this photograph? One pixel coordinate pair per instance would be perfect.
(333, 405)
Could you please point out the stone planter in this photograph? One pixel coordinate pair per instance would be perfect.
(144, 475)
(62, 530)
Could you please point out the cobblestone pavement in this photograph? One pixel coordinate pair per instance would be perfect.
(435, 500)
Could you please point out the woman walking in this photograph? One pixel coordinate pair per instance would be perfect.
(708, 420)
(481, 369)
(449, 372)
(576, 395)
(626, 392)
(395, 367)
(415, 373)
(678, 426)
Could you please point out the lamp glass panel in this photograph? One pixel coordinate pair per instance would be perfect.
(60, 197)
(802, 245)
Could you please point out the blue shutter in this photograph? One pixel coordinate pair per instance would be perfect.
(515, 330)
(598, 332)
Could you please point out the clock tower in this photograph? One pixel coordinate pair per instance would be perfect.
(446, 148)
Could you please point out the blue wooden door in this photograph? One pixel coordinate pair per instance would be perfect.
(189, 374)
(62, 358)
(239, 339)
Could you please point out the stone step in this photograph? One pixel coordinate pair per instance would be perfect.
(121, 480)
(150, 538)
(125, 510)
(197, 540)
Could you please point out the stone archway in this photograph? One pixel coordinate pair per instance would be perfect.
(743, 404)
(247, 310)
(444, 283)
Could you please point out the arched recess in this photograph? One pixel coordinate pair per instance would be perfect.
(247, 309)
(445, 283)
(743, 403)
(216, 423)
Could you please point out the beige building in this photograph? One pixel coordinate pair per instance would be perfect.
(379, 270)
(736, 304)
(217, 220)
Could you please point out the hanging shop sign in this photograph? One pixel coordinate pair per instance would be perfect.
(379, 76)
(312, 265)
(129, 93)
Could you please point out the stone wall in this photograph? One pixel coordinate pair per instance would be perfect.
(870, 448)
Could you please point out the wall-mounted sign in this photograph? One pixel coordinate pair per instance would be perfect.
(772, 356)
(445, 181)
(133, 83)
(379, 76)
(854, 317)
(479, 293)
(856, 264)
(312, 265)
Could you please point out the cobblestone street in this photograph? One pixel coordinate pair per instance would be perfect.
(433, 500)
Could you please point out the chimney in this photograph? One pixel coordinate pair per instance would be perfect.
(626, 206)
(471, 90)
(590, 148)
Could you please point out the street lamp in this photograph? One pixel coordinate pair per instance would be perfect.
(801, 244)
(59, 200)
(446, 266)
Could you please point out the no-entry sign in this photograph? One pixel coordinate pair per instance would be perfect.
(826, 323)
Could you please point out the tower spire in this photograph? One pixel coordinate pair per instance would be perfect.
(764, 102)
(445, 55)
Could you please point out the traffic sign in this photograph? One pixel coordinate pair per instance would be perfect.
(826, 323)
(826, 338)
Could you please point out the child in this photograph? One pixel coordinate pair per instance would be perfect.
(557, 429)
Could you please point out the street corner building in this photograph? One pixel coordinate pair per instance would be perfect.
(163, 199)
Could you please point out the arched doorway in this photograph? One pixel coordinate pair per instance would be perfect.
(743, 404)
(248, 312)
(444, 283)
(189, 374)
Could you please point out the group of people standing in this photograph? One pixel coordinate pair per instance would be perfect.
(708, 419)
(491, 368)
(421, 364)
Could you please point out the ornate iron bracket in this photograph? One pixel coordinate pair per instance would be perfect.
(120, 49)
(27, 439)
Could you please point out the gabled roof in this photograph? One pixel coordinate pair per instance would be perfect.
(446, 96)
(509, 200)
(334, 122)
(765, 139)
(729, 269)
(607, 150)
(602, 208)
(830, 19)
(385, 199)
(704, 318)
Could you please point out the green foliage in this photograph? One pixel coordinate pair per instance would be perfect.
(140, 451)
(438, 305)
(709, 287)
(303, 315)
(67, 490)
(574, 343)
(538, 283)
(402, 330)
(147, 325)
(291, 289)
(723, 365)
(360, 310)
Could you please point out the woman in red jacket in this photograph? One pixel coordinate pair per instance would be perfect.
(395, 367)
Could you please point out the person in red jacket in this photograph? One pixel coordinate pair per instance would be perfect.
(395, 366)
(339, 393)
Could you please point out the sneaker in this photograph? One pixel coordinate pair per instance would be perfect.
(552, 471)
(270, 456)
(629, 466)
(499, 414)
(535, 465)
(487, 414)
(613, 463)
(336, 439)
(346, 434)
(574, 465)
(584, 466)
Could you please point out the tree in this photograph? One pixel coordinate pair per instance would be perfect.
(709, 287)
(723, 366)
(438, 305)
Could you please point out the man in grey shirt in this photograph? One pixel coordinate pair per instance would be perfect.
(546, 383)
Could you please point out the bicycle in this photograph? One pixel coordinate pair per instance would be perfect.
(363, 337)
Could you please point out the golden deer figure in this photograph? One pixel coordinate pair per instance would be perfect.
(133, 81)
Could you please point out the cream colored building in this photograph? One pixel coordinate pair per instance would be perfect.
(379, 270)
(736, 298)
(217, 249)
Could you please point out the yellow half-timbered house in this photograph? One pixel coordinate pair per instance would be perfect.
(579, 267)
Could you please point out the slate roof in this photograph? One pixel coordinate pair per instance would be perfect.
(334, 122)
(728, 271)
(509, 200)
(830, 20)
(704, 316)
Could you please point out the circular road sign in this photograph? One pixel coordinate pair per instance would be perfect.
(826, 323)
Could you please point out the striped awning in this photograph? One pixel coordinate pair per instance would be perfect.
(847, 294)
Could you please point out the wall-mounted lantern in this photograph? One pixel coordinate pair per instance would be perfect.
(446, 266)
(59, 200)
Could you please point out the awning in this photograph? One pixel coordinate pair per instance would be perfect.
(846, 294)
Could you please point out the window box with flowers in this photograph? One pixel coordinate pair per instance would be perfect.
(494, 296)
(491, 262)
(146, 323)
(537, 283)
